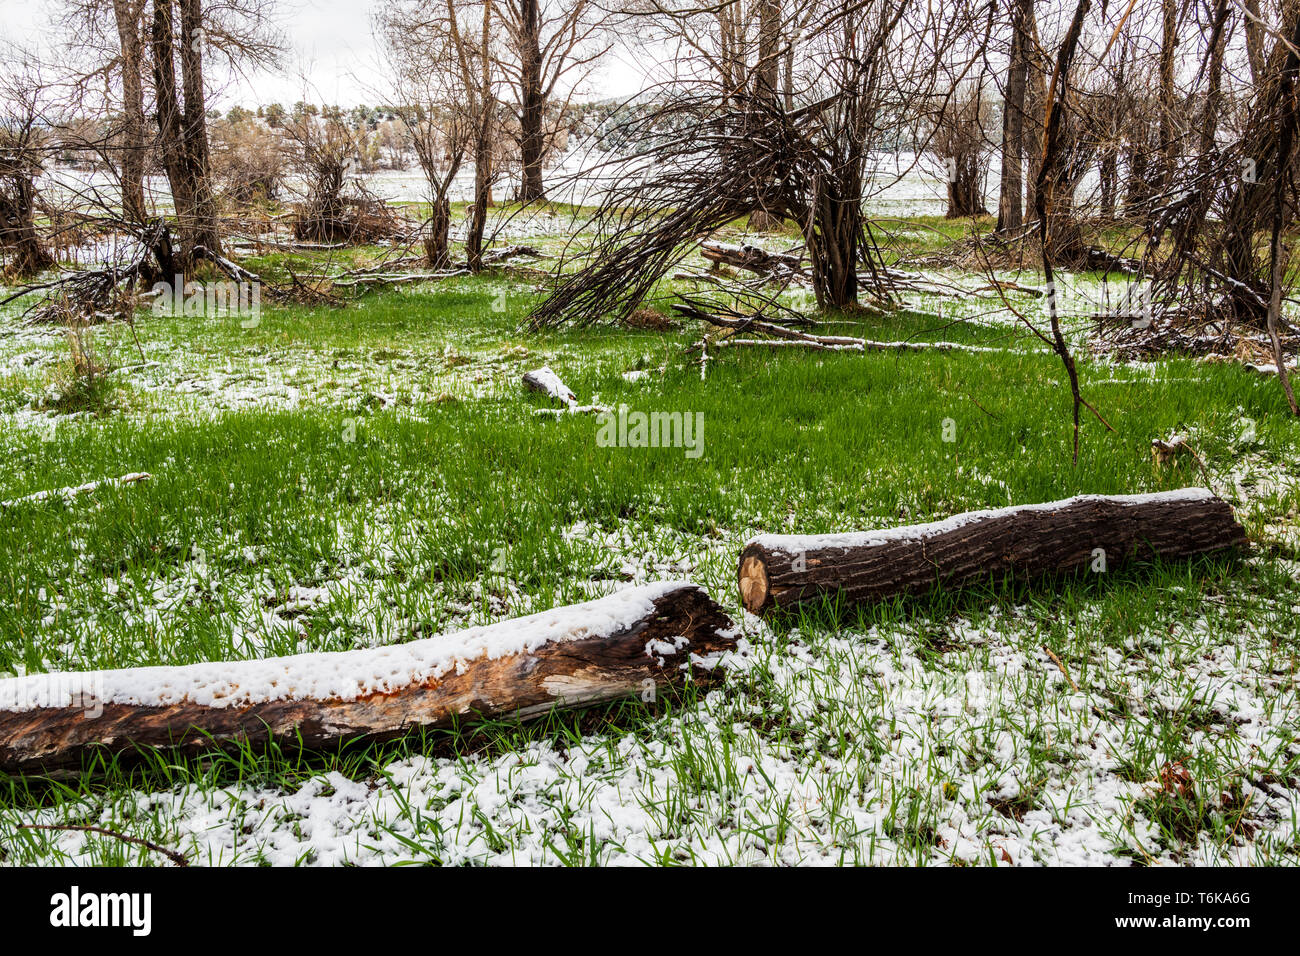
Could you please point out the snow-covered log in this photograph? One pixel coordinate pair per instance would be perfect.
(635, 641)
(1090, 532)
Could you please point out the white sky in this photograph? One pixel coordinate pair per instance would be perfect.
(329, 41)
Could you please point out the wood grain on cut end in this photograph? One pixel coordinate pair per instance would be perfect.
(753, 583)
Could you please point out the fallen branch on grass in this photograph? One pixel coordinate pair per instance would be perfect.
(242, 242)
(497, 256)
(396, 278)
(67, 494)
(774, 265)
(636, 641)
(173, 855)
(1024, 542)
(787, 337)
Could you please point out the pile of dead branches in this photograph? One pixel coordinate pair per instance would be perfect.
(358, 219)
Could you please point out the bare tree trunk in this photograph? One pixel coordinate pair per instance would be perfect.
(1168, 44)
(482, 191)
(206, 232)
(1254, 41)
(171, 136)
(964, 194)
(435, 244)
(183, 127)
(1108, 173)
(127, 14)
(1283, 175)
(833, 241)
(1035, 112)
(787, 79)
(532, 114)
(1010, 210)
(769, 40)
(18, 227)
(1137, 189)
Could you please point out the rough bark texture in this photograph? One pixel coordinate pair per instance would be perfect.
(206, 231)
(127, 14)
(182, 124)
(532, 103)
(1024, 543)
(964, 188)
(435, 243)
(564, 674)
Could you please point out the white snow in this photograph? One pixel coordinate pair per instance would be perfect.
(545, 380)
(800, 543)
(342, 675)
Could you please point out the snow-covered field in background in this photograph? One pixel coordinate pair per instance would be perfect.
(903, 184)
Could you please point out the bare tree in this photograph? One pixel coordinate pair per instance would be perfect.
(718, 147)
(548, 47)
(25, 143)
(1011, 186)
(431, 103)
(470, 26)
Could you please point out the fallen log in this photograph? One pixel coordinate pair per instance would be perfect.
(1025, 542)
(68, 494)
(752, 259)
(632, 642)
(788, 337)
(497, 256)
(396, 278)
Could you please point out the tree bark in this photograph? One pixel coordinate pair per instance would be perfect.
(182, 124)
(964, 193)
(1027, 542)
(482, 193)
(436, 244)
(767, 74)
(1010, 210)
(1168, 45)
(206, 232)
(18, 227)
(1108, 173)
(127, 14)
(630, 643)
(532, 113)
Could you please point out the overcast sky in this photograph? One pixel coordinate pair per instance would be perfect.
(329, 42)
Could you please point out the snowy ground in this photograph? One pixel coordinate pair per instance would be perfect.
(1161, 727)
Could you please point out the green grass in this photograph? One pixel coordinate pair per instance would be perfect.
(336, 478)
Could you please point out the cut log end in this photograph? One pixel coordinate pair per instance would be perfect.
(753, 584)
